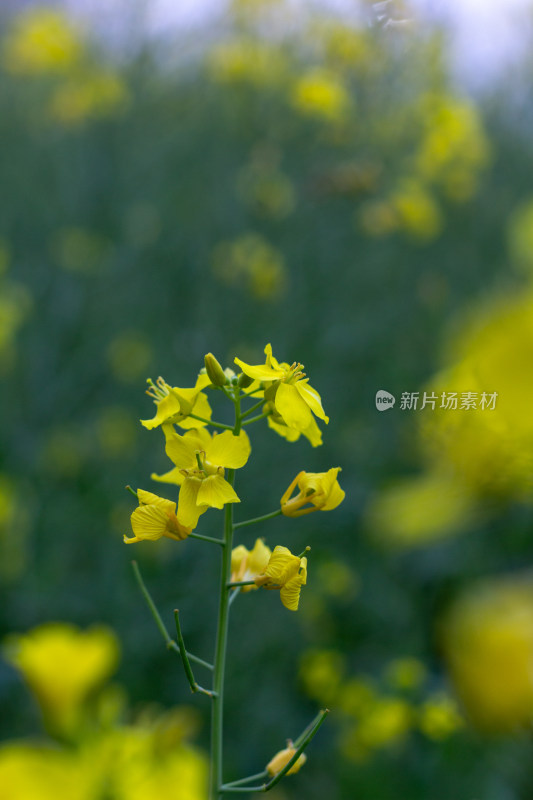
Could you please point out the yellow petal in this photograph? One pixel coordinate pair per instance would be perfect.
(292, 407)
(174, 476)
(167, 408)
(188, 510)
(202, 381)
(313, 433)
(215, 491)
(259, 558)
(227, 450)
(290, 592)
(269, 371)
(312, 398)
(201, 408)
(291, 434)
(145, 498)
(239, 556)
(182, 450)
(281, 566)
(149, 522)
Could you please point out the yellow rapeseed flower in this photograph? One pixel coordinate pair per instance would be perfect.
(294, 400)
(246, 564)
(277, 763)
(41, 41)
(200, 460)
(320, 93)
(62, 665)
(319, 491)
(285, 572)
(174, 405)
(155, 517)
(488, 644)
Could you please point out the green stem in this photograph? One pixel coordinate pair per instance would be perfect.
(254, 419)
(220, 652)
(233, 584)
(303, 740)
(255, 777)
(170, 643)
(206, 538)
(253, 408)
(257, 519)
(213, 424)
(195, 687)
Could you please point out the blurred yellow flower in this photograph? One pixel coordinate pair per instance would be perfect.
(285, 572)
(385, 722)
(320, 93)
(487, 450)
(418, 511)
(86, 659)
(40, 41)
(88, 96)
(251, 260)
(439, 717)
(248, 564)
(282, 758)
(321, 673)
(520, 236)
(488, 643)
(454, 146)
(156, 517)
(200, 461)
(173, 405)
(81, 251)
(417, 212)
(129, 356)
(116, 432)
(33, 772)
(405, 673)
(247, 61)
(318, 491)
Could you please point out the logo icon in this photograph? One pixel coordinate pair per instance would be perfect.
(384, 400)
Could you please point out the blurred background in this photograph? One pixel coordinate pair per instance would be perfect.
(351, 182)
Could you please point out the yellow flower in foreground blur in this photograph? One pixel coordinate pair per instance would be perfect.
(41, 41)
(288, 389)
(86, 96)
(283, 757)
(174, 404)
(320, 93)
(200, 460)
(285, 572)
(155, 517)
(62, 665)
(32, 772)
(488, 643)
(319, 491)
(247, 565)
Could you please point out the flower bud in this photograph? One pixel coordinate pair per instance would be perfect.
(244, 381)
(277, 763)
(214, 370)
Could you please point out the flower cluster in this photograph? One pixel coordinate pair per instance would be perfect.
(203, 468)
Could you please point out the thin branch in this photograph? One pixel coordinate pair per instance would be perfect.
(210, 422)
(258, 519)
(255, 419)
(195, 687)
(253, 408)
(170, 643)
(206, 538)
(303, 740)
(234, 584)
